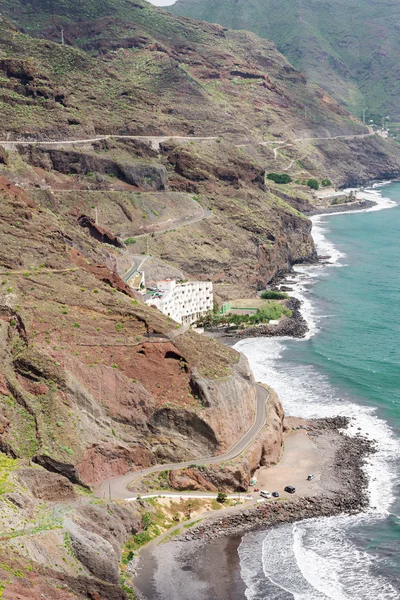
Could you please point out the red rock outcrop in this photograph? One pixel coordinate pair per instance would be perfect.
(235, 476)
(104, 461)
(3, 386)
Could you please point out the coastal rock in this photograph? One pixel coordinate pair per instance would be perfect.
(352, 497)
(293, 326)
(345, 207)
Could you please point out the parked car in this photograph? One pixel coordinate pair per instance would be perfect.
(265, 494)
(310, 477)
(275, 494)
(290, 489)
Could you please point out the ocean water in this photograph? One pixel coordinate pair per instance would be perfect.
(349, 364)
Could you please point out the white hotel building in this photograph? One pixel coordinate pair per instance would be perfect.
(183, 302)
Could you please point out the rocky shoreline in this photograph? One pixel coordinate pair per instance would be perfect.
(203, 562)
(294, 326)
(339, 208)
(351, 498)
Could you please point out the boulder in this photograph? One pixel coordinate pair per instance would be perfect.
(3, 156)
(94, 552)
(47, 486)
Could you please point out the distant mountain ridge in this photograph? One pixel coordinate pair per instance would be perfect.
(351, 48)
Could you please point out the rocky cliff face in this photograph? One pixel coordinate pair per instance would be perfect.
(72, 543)
(93, 382)
(97, 380)
(235, 475)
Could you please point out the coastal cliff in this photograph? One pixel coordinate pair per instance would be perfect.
(143, 139)
(235, 475)
(101, 370)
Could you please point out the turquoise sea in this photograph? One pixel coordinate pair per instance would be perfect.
(349, 365)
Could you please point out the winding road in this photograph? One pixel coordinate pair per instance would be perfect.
(206, 214)
(282, 143)
(117, 487)
(138, 261)
(154, 140)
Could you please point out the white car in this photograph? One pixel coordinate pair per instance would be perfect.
(265, 494)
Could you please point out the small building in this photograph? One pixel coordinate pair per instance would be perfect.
(183, 302)
(137, 281)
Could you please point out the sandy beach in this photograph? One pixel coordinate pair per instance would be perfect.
(202, 563)
(191, 571)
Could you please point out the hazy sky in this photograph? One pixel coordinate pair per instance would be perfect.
(162, 2)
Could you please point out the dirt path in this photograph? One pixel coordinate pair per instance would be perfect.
(207, 214)
(282, 144)
(155, 140)
(138, 261)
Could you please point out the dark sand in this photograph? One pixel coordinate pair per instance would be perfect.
(191, 571)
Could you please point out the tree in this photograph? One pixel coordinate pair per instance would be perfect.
(313, 184)
(326, 182)
(273, 295)
(279, 177)
(221, 498)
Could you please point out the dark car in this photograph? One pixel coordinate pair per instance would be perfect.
(290, 489)
(275, 494)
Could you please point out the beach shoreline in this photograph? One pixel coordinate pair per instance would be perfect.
(202, 562)
(197, 556)
(357, 205)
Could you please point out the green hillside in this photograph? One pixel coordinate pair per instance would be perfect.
(349, 47)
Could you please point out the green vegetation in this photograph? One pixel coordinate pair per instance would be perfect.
(270, 312)
(273, 295)
(7, 466)
(129, 241)
(279, 177)
(322, 43)
(313, 184)
(221, 498)
(153, 524)
(326, 182)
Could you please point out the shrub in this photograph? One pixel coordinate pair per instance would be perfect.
(279, 177)
(326, 182)
(313, 184)
(130, 240)
(221, 498)
(147, 520)
(273, 295)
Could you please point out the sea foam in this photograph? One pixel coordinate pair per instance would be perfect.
(314, 559)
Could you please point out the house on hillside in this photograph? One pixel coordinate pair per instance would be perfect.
(183, 302)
